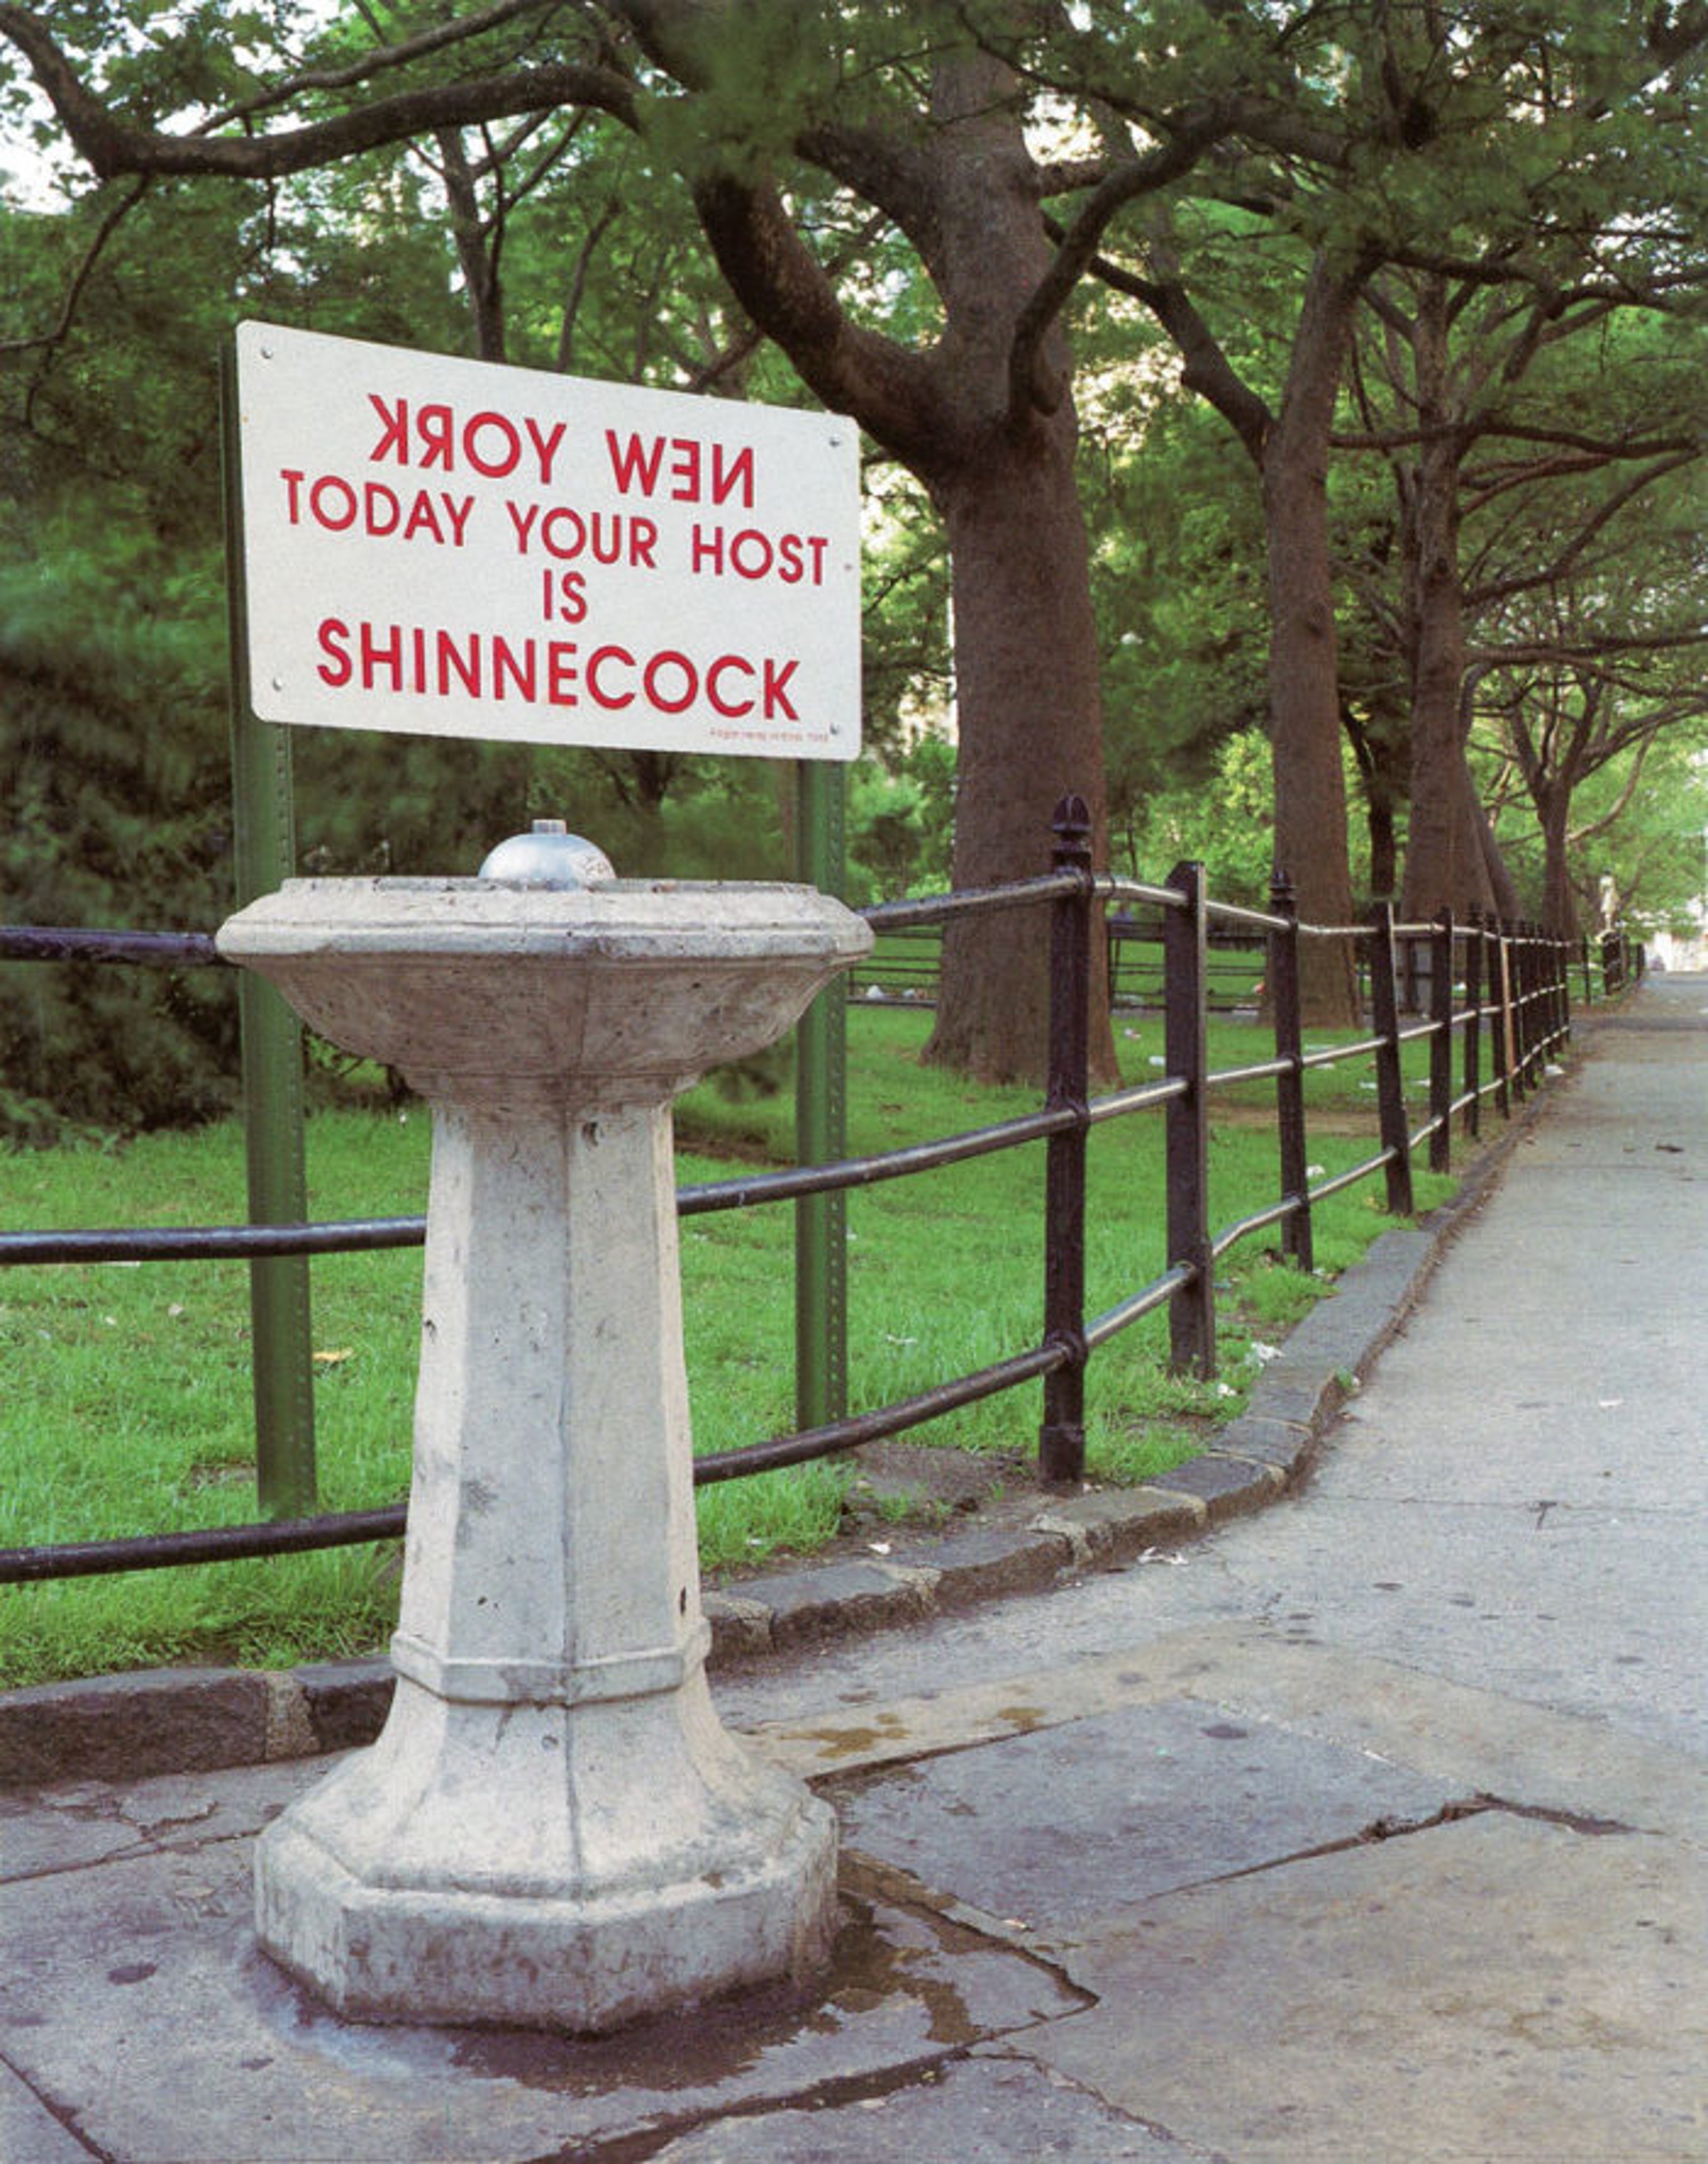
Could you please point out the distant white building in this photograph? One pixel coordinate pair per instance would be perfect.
(1666, 950)
(1670, 949)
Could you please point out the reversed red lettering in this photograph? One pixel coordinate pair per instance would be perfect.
(395, 443)
(630, 464)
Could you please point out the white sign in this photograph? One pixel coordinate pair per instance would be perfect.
(451, 548)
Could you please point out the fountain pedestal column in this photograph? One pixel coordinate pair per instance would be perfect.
(554, 1828)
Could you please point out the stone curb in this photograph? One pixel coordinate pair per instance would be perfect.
(190, 1721)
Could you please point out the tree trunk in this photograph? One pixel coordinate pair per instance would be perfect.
(1559, 905)
(997, 455)
(1290, 450)
(1443, 862)
(1027, 695)
(1502, 886)
(1379, 747)
(1447, 847)
(1310, 831)
(1385, 847)
(1029, 705)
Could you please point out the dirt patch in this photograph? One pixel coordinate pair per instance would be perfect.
(913, 1483)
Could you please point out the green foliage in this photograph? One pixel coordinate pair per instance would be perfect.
(764, 71)
(1179, 582)
(905, 678)
(1545, 159)
(118, 815)
(1226, 820)
(1651, 839)
(113, 643)
(901, 820)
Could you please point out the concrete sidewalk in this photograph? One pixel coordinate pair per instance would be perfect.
(1369, 1825)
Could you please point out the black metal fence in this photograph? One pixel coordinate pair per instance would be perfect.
(905, 964)
(1492, 1001)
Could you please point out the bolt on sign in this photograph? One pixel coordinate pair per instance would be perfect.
(459, 550)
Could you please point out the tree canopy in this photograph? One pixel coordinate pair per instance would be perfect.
(1030, 250)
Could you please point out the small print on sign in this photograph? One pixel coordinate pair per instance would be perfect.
(458, 549)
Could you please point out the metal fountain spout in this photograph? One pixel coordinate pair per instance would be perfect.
(548, 855)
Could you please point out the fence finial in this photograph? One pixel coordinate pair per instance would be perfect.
(1072, 828)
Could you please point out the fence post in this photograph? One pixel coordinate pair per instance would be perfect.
(1296, 1240)
(1192, 1307)
(1061, 1438)
(821, 1120)
(1441, 942)
(1527, 1007)
(1391, 1086)
(1474, 974)
(1565, 991)
(1525, 1004)
(1500, 988)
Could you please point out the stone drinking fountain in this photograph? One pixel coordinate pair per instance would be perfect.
(553, 1829)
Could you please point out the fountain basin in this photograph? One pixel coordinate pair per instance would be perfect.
(647, 982)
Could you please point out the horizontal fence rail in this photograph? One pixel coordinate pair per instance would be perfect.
(1497, 995)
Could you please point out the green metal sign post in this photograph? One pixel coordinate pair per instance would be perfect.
(265, 850)
(820, 1120)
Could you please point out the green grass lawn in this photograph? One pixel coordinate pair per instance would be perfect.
(126, 1401)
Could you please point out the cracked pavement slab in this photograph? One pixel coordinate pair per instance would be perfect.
(1143, 1799)
(1499, 1986)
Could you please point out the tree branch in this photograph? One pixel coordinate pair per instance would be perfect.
(1574, 548)
(384, 55)
(781, 285)
(49, 340)
(1077, 251)
(1576, 836)
(1540, 652)
(112, 146)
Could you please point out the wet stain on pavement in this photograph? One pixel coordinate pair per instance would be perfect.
(896, 1950)
(1024, 1719)
(853, 1740)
